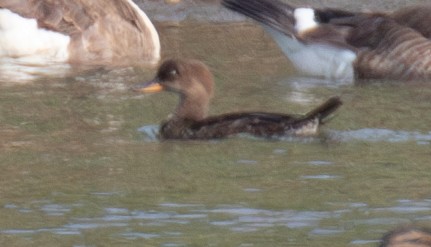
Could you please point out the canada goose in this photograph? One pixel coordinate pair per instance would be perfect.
(343, 45)
(78, 31)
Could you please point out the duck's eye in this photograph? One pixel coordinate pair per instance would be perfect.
(173, 72)
(167, 72)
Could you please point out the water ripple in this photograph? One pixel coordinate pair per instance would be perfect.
(365, 135)
(382, 135)
(233, 217)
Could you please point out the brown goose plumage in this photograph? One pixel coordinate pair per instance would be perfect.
(352, 45)
(193, 81)
(113, 32)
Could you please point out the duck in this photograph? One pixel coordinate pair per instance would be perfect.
(341, 45)
(99, 32)
(194, 83)
(410, 236)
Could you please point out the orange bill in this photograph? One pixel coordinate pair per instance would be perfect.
(148, 87)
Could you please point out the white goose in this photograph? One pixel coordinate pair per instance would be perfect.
(342, 45)
(77, 31)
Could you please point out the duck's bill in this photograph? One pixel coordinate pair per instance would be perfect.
(148, 87)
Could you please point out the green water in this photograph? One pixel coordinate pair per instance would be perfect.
(75, 170)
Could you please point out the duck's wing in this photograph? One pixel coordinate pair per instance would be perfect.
(101, 31)
(260, 124)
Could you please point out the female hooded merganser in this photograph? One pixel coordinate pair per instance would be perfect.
(407, 237)
(343, 45)
(78, 31)
(193, 81)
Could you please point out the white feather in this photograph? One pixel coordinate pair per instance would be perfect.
(316, 59)
(21, 38)
(304, 19)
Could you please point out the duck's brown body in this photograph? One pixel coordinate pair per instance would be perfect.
(378, 45)
(260, 124)
(193, 81)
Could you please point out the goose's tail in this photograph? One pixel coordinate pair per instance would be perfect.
(274, 13)
(280, 15)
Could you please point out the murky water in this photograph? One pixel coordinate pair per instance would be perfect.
(80, 165)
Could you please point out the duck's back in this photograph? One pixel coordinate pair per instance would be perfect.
(259, 124)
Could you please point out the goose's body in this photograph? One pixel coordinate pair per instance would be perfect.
(78, 31)
(193, 81)
(343, 45)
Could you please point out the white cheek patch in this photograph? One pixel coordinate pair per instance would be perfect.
(304, 19)
(21, 38)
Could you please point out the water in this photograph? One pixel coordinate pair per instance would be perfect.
(171, 220)
(81, 164)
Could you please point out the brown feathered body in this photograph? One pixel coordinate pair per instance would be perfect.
(259, 124)
(193, 81)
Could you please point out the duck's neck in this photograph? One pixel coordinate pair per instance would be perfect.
(192, 107)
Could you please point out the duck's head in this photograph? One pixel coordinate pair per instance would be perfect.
(191, 79)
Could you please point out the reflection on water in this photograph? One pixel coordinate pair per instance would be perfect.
(164, 218)
(384, 135)
(320, 176)
(16, 71)
(302, 87)
(150, 132)
(369, 135)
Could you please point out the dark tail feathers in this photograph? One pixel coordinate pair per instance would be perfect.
(325, 109)
(273, 13)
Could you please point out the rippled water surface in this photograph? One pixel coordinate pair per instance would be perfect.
(81, 164)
